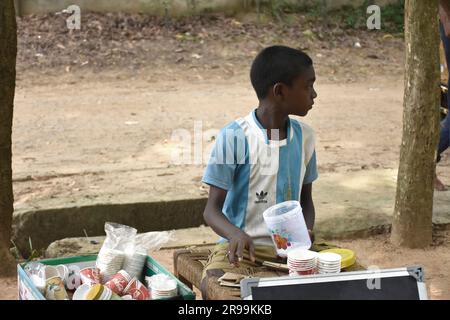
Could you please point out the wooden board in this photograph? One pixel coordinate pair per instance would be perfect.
(188, 268)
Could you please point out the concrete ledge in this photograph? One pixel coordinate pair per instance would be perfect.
(348, 205)
(181, 238)
(47, 225)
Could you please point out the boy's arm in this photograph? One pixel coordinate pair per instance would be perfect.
(238, 239)
(307, 204)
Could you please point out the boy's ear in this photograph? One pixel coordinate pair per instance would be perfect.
(277, 89)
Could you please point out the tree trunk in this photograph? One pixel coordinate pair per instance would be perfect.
(8, 50)
(412, 221)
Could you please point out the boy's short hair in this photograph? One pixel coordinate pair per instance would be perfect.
(277, 64)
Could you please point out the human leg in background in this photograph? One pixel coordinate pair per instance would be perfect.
(444, 138)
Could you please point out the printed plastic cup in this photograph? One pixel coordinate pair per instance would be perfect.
(63, 272)
(73, 280)
(48, 272)
(293, 273)
(55, 289)
(137, 290)
(302, 261)
(307, 272)
(90, 276)
(38, 282)
(287, 227)
(33, 268)
(119, 282)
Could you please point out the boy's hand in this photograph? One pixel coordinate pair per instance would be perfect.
(237, 243)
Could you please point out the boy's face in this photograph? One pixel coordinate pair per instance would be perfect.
(298, 98)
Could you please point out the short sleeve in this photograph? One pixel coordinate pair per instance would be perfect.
(311, 173)
(309, 149)
(225, 157)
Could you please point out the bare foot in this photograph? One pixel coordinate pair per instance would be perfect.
(438, 185)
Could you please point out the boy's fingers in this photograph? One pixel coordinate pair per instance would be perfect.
(240, 251)
(231, 252)
(251, 250)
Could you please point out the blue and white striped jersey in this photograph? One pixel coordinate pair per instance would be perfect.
(259, 173)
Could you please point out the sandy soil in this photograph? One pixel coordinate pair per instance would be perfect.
(377, 252)
(96, 109)
(8, 288)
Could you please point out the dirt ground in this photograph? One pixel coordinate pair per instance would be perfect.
(95, 110)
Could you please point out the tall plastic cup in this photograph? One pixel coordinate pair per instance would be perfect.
(287, 227)
(55, 289)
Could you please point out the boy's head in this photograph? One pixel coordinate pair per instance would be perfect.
(285, 77)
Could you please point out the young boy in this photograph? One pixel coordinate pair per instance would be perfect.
(261, 160)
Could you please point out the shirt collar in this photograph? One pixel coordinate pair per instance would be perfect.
(263, 132)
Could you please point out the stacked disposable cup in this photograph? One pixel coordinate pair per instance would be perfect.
(90, 275)
(329, 262)
(302, 262)
(33, 269)
(63, 271)
(55, 289)
(119, 282)
(109, 261)
(134, 264)
(137, 290)
(162, 287)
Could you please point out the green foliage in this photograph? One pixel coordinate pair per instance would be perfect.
(392, 15)
(15, 252)
(353, 17)
(280, 9)
(34, 254)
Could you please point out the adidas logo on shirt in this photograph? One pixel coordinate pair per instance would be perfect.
(261, 197)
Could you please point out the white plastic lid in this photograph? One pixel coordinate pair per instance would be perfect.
(282, 208)
(329, 257)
